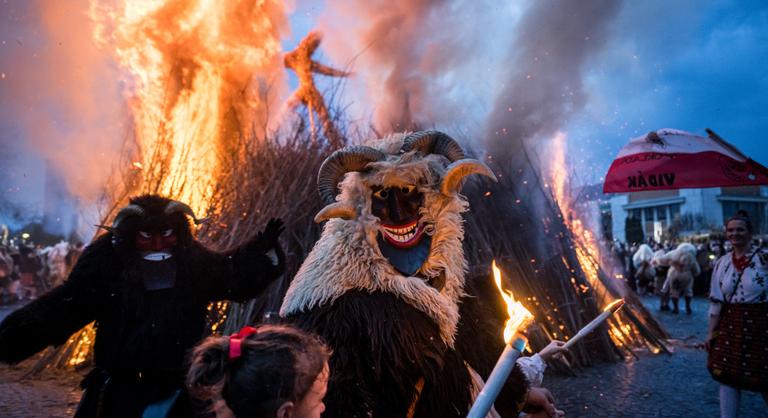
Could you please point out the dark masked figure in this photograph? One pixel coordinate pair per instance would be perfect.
(385, 284)
(147, 284)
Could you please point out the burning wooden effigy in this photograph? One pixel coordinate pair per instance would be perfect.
(300, 61)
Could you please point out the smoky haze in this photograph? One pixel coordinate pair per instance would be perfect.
(544, 84)
(499, 73)
(543, 89)
(417, 62)
(60, 92)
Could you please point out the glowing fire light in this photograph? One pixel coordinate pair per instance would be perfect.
(585, 244)
(614, 306)
(519, 317)
(200, 74)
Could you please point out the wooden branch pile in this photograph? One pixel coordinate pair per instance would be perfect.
(517, 222)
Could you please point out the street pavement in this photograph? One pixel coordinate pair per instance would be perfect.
(660, 385)
(653, 385)
(53, 393)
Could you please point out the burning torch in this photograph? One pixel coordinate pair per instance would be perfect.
(519, 319)
(608, 311)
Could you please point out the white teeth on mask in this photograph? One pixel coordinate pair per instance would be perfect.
(157, 256)
(400, 231)
(401, 234)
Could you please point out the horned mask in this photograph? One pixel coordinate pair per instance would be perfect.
(394, 225)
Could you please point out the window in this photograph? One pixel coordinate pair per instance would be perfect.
(649, 214)
(674, 211)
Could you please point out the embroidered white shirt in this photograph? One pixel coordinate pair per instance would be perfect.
(753, 287)
(533, 367)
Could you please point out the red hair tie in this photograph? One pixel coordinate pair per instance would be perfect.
(236, 340)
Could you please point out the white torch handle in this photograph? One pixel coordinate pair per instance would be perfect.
(498, 377)
(587, 329)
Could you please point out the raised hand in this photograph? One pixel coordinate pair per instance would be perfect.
(553, 348)
(267, 239)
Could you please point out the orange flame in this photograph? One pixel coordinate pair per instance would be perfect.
(585, 244)
(614, 306)
(198, 78)
(519, 317)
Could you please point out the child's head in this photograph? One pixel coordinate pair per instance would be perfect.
(272, 371)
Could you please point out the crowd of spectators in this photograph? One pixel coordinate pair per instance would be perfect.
(650, 278)
(708, 249)
(28, 270)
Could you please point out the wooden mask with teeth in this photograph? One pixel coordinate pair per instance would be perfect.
(397, 199)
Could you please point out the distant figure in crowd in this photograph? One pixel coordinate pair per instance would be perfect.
(30, 268)
(271, 371)
(147, 284)
(72, 255)
(57, 266)
(6, 277)
(737, 336)
(644, 271)
(683, 267)
(704, 258)
(660, 264)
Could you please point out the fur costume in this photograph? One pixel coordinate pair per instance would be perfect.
(683, 267)
(147, 318)
(644, 271)
(660, 264)
(397, 349)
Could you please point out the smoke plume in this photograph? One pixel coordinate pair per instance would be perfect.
(60, 92)
(417, 62)
(543, 86)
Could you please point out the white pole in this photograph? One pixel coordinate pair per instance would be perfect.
(498, 377)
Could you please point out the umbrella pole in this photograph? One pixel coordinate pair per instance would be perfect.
(717, 138)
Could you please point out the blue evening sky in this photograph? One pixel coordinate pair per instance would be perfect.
(683, 64)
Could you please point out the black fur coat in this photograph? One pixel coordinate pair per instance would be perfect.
(382, 349)
(142, 336)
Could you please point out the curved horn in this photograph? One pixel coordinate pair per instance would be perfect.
(434, 142)
(336, 210)
(457, 171)
(128, 211)
(341, 162)
(176, 206)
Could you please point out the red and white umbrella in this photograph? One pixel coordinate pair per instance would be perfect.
(672, 159)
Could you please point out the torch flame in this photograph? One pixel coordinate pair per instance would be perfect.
(519, 317)
(614, 306)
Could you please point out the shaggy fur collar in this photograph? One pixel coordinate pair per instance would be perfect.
(347, 256)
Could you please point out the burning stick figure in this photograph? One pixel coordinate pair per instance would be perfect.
(300, 61)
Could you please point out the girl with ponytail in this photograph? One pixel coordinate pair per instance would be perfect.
(273, 371)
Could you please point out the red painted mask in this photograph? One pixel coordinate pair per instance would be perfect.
(156, 240)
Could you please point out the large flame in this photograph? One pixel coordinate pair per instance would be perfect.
(585, 244)
(199, 76)
(519, 317)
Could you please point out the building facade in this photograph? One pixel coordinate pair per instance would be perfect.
(684, 212)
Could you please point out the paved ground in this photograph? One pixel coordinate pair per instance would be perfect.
(675, 385)
(52, 394)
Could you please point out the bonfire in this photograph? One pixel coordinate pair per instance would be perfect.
(206, 83)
